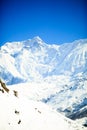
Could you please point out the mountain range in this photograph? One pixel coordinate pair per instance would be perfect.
(50, 73)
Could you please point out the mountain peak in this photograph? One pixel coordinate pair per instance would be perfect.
(35, 41)
(37, 38)
(45, 60)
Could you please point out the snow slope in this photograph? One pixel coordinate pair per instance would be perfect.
(53, 74)
(21, 113)
(63, 98)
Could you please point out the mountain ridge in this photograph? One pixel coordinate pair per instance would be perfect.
(56, 74)
(49, 59)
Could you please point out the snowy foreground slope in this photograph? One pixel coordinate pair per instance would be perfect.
(50, 94)
(21, 113)
(52, 74)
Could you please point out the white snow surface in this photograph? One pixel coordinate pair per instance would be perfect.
(41, 73)
(31, 115)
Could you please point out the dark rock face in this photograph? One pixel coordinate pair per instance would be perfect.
(79, 114)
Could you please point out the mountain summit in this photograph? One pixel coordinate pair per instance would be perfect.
(33, 60)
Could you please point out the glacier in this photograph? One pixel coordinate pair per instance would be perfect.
(50, 73)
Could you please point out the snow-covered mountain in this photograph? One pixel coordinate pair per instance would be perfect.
(53, 74)
(33, 60)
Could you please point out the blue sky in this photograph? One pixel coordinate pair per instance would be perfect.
(55, 21)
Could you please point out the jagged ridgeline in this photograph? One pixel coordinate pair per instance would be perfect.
(34, 60)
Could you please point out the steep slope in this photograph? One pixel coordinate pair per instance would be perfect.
(69, 99)
(20, 113)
